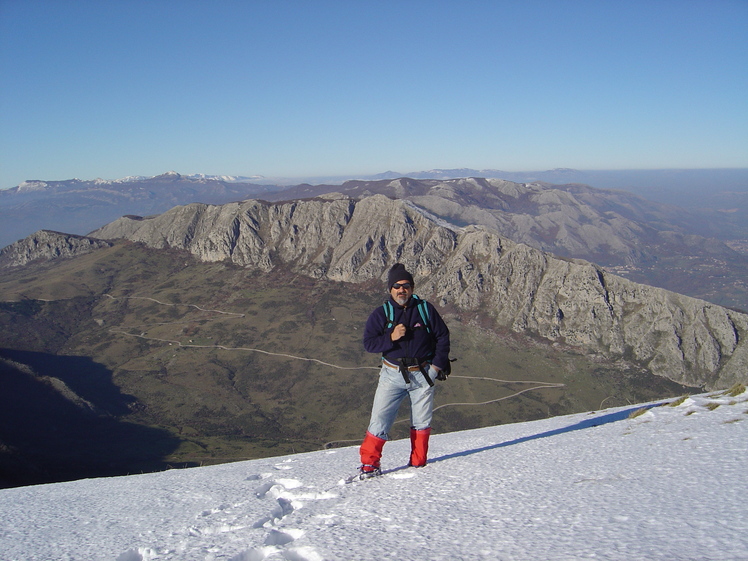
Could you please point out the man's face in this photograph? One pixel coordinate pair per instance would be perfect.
(401, 291)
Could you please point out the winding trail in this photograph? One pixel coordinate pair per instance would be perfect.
(539, 385)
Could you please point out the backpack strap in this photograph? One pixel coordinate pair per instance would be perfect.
(423, 310)
(389, 314)
(421, 306)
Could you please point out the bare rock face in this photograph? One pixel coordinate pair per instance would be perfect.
(340, 239)
(46, 245)
(687, 340)
(575, 302)
(612, 228)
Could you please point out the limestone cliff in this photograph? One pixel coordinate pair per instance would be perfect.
(474, 269)
(46, 245)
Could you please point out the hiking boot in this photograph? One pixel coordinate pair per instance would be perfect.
(367, 471)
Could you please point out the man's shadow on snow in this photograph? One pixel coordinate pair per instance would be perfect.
(586, 424)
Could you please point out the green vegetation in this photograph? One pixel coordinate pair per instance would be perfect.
(221, 363)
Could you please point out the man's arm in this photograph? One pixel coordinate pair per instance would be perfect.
(440, 331)
(377, 339)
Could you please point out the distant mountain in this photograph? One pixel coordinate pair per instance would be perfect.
(718, 197)
(46, 245)
(605, 226)
(75, 206)
(663, 245)
(682, 187)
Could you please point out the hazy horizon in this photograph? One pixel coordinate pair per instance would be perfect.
(295, 89)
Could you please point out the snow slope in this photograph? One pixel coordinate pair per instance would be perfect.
(668, 484)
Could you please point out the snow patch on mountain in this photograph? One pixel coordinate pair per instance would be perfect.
(28, 186)
(227, 178)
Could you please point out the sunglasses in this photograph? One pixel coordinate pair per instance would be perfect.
(406, 285)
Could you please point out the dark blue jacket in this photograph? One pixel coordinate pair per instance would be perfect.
(417, 342)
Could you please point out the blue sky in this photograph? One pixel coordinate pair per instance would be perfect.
(287, 88)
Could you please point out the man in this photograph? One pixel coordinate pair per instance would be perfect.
(414, 344)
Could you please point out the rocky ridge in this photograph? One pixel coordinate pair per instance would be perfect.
(47, 245)
(569, 301)
(604, 226)
(644, 241)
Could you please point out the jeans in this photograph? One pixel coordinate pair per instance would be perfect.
(390, 393)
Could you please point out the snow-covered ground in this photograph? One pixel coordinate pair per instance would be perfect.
(669, 484)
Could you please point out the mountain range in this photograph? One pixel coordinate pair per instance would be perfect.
(76, 206)
(701, 251)
(210, 333)
(469, 268)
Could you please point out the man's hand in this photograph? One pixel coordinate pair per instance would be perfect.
(442, 373)
(398, 332)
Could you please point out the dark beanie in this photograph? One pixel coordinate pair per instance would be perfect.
(398, 273)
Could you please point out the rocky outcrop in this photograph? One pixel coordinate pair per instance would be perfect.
(473, 269)
(608, 227)
(641, 240)
(46, 245)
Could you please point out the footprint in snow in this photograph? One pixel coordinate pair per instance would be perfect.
(276, 541)
(284, 508)
(288, 501)
(276, 487)
(139, 554)
(211, 511)
(282, 537)
(285, 465)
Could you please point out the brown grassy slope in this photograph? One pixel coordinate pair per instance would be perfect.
(234, 364)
